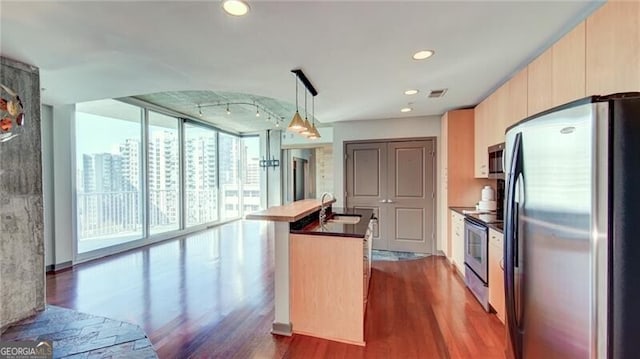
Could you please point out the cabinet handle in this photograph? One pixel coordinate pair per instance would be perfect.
(389, 201)
(383, 201)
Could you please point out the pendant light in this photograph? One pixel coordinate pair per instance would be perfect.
(306, 131)
(315, 134)
(296, 124)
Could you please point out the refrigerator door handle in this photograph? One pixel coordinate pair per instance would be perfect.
(511, 246)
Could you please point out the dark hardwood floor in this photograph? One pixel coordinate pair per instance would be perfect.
(210, 295)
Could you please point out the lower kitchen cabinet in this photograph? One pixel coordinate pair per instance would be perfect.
(457, 241)
(496, 273)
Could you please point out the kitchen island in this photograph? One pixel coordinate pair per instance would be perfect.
(321, 271)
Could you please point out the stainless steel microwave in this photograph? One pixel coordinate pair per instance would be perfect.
(496, 161)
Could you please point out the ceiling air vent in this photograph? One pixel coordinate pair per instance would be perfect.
(437, 93)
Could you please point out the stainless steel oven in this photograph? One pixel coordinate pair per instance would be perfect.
(476, 260)
(496, 161)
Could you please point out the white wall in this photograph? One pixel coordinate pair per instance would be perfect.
(46, 134)
(64, 224)
(427, 126)
(294, 140)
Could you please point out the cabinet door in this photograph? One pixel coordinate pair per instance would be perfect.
(517, 98)
(480, 144)
(539, 79)
(457, 221)
(613, 48)
(569, 66)
(496, 274)
(501, 113)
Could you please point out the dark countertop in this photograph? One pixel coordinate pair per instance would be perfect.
(357, 230)
(490, 220)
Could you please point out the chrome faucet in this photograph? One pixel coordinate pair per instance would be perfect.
(323, 208)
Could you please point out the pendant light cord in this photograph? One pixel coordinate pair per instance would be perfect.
(296, 77)
(313, 110)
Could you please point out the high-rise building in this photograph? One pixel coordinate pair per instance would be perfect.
(164, 178)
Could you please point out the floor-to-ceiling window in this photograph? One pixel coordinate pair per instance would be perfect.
(201, 174)
(108, 174)
(230, 176)
(163, 173)
(143, 175)
(251, 174)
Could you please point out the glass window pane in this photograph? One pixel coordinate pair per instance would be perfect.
(201, 182)
(229, 175)
(251, 175)
(109, 168)
(164, 174)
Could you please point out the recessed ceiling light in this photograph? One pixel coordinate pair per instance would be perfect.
(406, 109)
(411, 92)
(235, 7)
(423, 54)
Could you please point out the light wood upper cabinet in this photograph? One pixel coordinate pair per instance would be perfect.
(517, 103)
(568, 64)
(501, 110)
(539, 80)
(481, 157)
(613, 48)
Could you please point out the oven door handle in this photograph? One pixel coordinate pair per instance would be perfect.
(470, 223)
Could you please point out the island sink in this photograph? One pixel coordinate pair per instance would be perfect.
(346, 219)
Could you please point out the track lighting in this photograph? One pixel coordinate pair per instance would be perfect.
(200, 110)
(257, 111)
(228, 112)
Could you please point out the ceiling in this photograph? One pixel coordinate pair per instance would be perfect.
(356, 53)
(212, 107)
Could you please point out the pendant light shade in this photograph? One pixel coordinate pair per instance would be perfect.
(314, 133)
(307, 125)
(297, 123)
(307, 128)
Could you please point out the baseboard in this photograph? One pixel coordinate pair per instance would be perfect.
(52, 268)
(281, 329)
(346, 341)
(440, 253)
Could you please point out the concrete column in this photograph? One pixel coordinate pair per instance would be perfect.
(22, 289)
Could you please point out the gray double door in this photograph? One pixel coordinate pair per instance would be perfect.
(397, 180)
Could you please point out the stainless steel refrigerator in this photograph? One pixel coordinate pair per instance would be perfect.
(572, 231)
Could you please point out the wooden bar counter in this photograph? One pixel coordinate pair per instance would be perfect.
(322, 272)
(279, 218)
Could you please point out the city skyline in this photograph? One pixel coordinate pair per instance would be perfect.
(109, 172)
